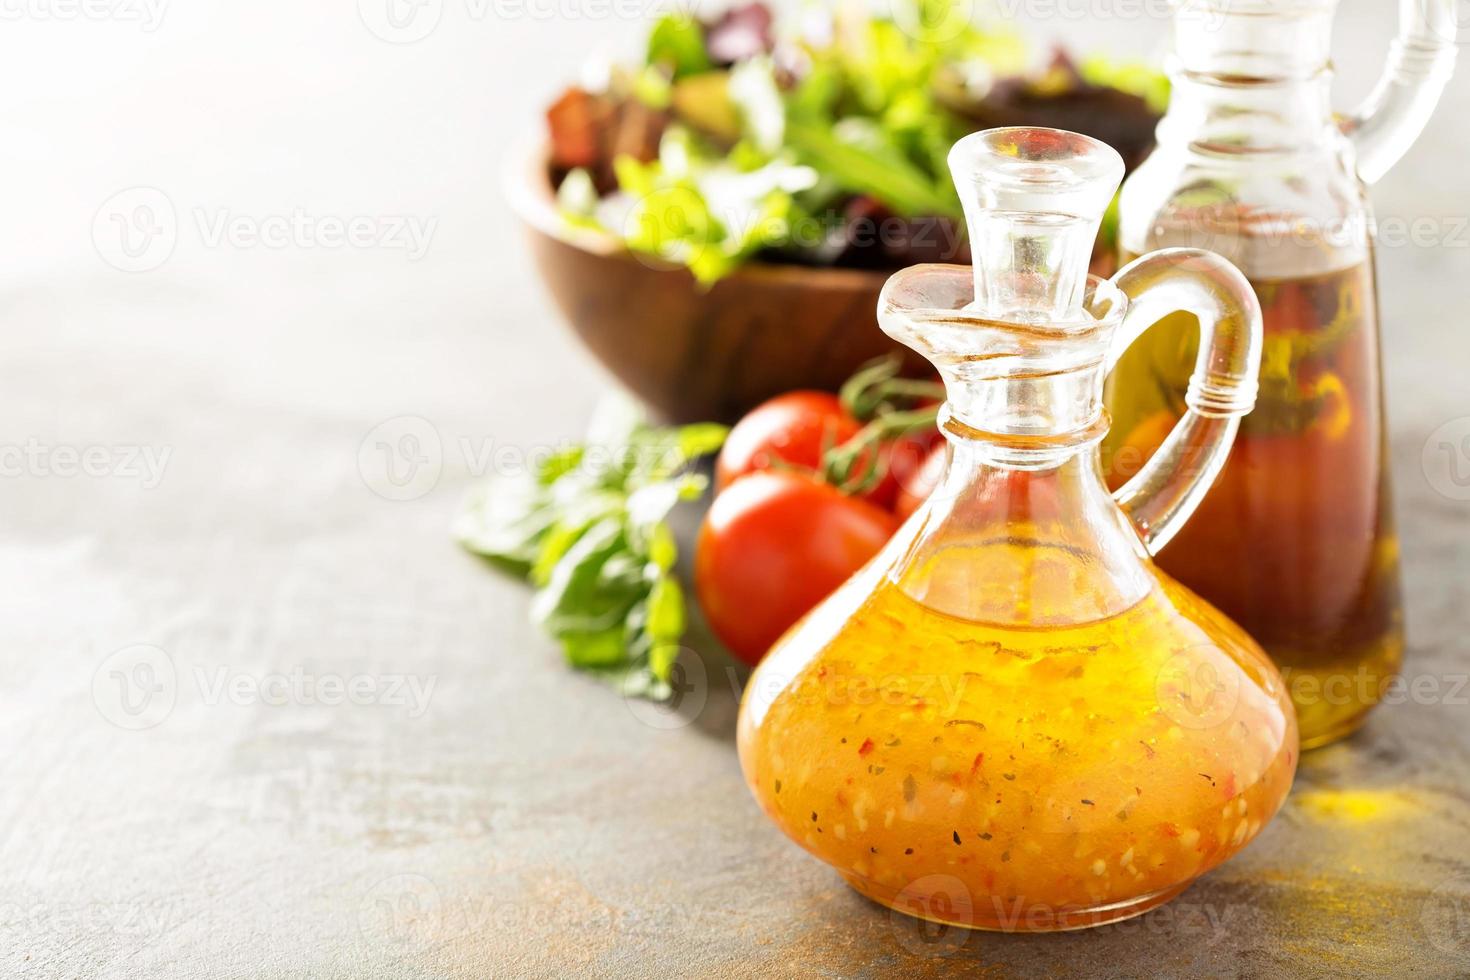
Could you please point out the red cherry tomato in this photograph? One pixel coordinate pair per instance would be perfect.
(794, 429)
(1007, 495)
(917, 488)
(901, 460)
(797, 428)
(775, 544)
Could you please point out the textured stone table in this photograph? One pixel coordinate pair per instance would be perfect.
(260, 720)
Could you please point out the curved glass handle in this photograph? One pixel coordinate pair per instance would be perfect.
(1420, 62)
(1163, 495)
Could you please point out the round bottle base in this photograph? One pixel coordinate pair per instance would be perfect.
(1338, 730)
(946, 901)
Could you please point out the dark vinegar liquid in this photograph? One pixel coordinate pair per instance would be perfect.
(1296, 540)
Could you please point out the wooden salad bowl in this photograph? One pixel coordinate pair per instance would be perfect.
(693, 353)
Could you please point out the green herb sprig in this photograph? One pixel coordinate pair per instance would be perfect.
(587, 527)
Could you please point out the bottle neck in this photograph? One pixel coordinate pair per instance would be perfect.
(1033, 546)
(1030, 395)
(1251, 81)
(1026, 422)
(1021, 345)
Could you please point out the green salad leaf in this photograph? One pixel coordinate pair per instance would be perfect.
(808, 132)
(858, 156)
(676, 42)
(751, 150)
(707, 216)
(587, 527)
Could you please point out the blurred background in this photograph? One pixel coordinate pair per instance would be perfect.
(497, 815)
(253, 113)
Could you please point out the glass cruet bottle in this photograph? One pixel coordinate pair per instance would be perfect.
(1010, 719)
(1296, 541)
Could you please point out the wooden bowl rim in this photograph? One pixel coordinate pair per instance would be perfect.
(527, 188)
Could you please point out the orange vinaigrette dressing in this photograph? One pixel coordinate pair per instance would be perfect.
(1008, 777)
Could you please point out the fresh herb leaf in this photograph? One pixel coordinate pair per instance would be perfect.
(588, 528)
(509, 526)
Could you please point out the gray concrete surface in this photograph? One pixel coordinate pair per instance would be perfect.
(464, 806)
